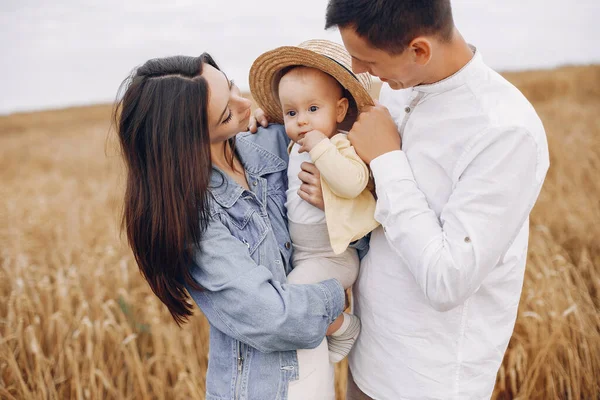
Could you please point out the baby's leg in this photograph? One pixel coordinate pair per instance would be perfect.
(314, 261)
(341, 341)
(343, 267)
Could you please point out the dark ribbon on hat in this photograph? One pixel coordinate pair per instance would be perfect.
(343, 66)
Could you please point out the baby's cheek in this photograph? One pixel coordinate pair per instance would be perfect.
(291, 133)
(330, 129)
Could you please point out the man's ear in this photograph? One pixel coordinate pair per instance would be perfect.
(420, 49)
(341, 108)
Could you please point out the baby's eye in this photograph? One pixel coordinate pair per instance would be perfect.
(313, 108)
(291, 113)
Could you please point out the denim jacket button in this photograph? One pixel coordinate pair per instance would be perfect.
(288, 245)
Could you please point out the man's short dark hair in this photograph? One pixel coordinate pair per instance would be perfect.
(391, 25)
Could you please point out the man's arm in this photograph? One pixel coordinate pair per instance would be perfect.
(449, 257)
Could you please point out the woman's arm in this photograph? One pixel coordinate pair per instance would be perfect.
(241, 298)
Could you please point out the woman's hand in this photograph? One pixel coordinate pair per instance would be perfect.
(310, 190)
(258, 117)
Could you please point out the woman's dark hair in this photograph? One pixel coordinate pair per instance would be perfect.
(162, 124)
(391, 25)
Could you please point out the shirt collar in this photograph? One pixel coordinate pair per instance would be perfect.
(457, 79)
(256, 160)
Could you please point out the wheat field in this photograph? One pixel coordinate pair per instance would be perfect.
(78, 321)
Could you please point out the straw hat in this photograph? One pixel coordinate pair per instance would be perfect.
(329, 57)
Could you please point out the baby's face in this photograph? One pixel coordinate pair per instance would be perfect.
(311, 99)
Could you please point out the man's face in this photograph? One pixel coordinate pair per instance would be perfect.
(399, 71)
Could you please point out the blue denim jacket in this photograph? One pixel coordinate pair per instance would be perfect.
(257, 321)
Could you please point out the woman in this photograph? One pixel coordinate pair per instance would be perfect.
(204, 212)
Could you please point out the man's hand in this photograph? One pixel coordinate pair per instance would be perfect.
(374, 133)
(257, 117)
(310, 140)
(310, 190)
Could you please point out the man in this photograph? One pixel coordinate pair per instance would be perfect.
(459, 157)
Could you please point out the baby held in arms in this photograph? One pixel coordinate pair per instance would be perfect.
(311, 90)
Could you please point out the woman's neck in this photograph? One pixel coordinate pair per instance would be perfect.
(223, 157)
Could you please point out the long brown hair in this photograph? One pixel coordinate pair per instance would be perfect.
(162, 124)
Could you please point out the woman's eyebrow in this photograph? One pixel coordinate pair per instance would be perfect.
(227, 105)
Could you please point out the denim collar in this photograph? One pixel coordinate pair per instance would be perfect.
(257, 162)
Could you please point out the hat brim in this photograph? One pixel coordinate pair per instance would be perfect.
(266, 67)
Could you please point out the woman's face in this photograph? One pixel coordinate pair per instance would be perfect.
(228, 111)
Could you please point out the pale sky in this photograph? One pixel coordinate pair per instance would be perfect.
(74, 52)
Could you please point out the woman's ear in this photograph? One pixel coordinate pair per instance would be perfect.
(342, 109)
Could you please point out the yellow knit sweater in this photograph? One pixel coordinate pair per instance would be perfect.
(349, 205)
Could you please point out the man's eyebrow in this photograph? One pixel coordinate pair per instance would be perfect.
(227, 105)
(362, 61)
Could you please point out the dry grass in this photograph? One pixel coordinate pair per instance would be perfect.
(77, 320)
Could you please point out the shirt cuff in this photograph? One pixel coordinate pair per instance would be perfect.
(335, 297)
(392, 166)
(320, 149)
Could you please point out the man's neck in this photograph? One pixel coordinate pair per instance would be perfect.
(450, 58)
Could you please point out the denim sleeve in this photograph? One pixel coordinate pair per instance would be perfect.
(362, 245)
(241, 298)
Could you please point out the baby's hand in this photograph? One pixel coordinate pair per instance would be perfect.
(310, 140)
(257, 117)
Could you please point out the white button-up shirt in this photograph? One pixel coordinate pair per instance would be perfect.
(439, 289)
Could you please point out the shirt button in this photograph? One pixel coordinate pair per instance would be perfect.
(407, 110)
(255, 183)
(467, 240)
(288, 245)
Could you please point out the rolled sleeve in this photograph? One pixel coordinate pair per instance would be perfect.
(393, 161)
(320, 149)
(343, 170)
(335, 295)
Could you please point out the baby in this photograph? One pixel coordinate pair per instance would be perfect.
(296, 86)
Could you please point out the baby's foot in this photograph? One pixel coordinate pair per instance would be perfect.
(341, 341)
